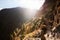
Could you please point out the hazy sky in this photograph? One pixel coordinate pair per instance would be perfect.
(35, 4)
(8, 3)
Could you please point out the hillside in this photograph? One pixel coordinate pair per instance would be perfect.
(46, 28)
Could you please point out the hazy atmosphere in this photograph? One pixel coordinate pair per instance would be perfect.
(31, 4)
(29, 19)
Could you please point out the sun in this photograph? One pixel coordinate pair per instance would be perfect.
(31, 4)
(32, 7)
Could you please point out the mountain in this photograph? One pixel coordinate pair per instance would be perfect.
(10, 19)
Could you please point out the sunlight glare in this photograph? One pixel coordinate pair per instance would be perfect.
(31, 4)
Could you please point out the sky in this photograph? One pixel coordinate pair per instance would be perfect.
(33, 4)
(8, 3)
